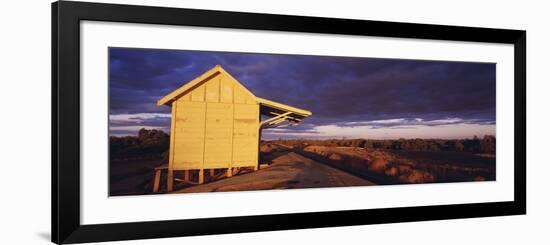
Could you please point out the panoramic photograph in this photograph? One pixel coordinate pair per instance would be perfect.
(183, 121)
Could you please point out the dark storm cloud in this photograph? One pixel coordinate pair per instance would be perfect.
(337, 90)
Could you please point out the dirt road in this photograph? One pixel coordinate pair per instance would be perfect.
(287, 171)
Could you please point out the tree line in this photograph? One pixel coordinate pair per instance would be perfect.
(486, 144)
(148, 143)
(155, 143)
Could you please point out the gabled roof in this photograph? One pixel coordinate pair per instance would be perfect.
(166, 100)
(267, 107)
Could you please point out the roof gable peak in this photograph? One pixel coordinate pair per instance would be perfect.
(189, 86)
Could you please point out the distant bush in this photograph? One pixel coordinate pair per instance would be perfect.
(487, 144)
(148, 143)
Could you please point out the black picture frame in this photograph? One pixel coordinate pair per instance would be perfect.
(66, 17)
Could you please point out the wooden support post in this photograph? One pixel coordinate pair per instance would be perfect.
(156, 182)
(256, 167)
(170, 181)
(186, 175)
(201, 176)
(229, 172)
(212, 172)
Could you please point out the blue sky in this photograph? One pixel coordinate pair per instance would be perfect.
(349, 97)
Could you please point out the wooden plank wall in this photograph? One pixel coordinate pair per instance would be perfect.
(245, 133)
(216, 126)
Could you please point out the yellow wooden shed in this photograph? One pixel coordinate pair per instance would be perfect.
(217, 123)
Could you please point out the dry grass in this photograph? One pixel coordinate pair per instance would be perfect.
(399, 166)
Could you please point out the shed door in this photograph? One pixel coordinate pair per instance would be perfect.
(219, 133)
